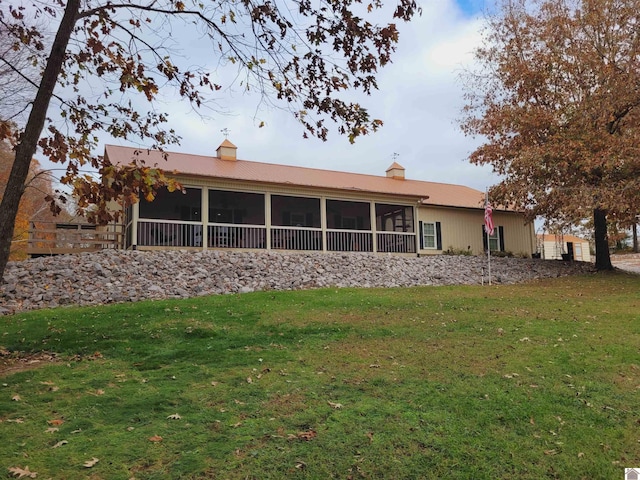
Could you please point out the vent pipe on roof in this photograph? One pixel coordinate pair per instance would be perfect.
(226, 151)
(396, 171)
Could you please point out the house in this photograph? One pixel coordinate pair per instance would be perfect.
(563, 247)
(238, 204)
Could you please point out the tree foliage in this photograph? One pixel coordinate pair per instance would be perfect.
(110, 63)
(33, 205)
(556, 98)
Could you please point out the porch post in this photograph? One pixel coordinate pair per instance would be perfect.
(374, 227)
(204, 217)
(416, 229)
(323, 222)
(267, 219)
(135, 216)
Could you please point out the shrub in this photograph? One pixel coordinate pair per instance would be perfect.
(457, 251)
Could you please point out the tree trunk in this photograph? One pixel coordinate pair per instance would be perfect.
(26, 148)
(603, 259)
(635, 238)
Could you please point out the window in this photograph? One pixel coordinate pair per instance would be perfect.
(429, 235)
(349, 223)
(496, 241)
(297, 219)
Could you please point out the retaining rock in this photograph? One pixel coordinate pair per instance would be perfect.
(111, 276)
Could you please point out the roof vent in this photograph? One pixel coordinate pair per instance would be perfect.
(226, 151)
(396, 171)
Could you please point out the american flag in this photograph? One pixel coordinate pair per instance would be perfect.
(488, 219)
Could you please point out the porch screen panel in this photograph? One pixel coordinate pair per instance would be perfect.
(174, 205)
(344, 215)
(295, 211)
(394, 218)
(240, 208)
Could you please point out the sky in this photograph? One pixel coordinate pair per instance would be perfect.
(419, 99)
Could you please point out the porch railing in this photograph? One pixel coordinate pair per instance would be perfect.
(396, 242)
(157, 233)
(168, 233)
(349, 241)
(296, 238)
(236, 236)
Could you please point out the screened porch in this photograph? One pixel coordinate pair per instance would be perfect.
(204, 218)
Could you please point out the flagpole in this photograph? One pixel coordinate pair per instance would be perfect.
(486, 202)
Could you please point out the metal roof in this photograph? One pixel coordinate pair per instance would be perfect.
(431, 193)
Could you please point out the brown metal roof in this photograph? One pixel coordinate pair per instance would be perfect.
(208, 166)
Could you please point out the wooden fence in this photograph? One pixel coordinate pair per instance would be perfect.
(59, 238)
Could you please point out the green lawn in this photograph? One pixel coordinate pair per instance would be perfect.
(529, 381)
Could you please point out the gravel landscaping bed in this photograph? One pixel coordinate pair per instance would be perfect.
(112, 276)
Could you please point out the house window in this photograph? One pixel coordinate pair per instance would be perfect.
(429, 235)
(496, 241)
(349, 223)
(298, 219)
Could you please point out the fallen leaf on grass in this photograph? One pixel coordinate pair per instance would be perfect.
(56, 421)
(22, 472)
(249, 380)
(16, 420)
(155, 438)
(16, 398)
(551, 452)
(337, 406)
(90, 463)
(306, 436)
(51, 430)
(581, 454)
(60, 443)
(175, 416)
